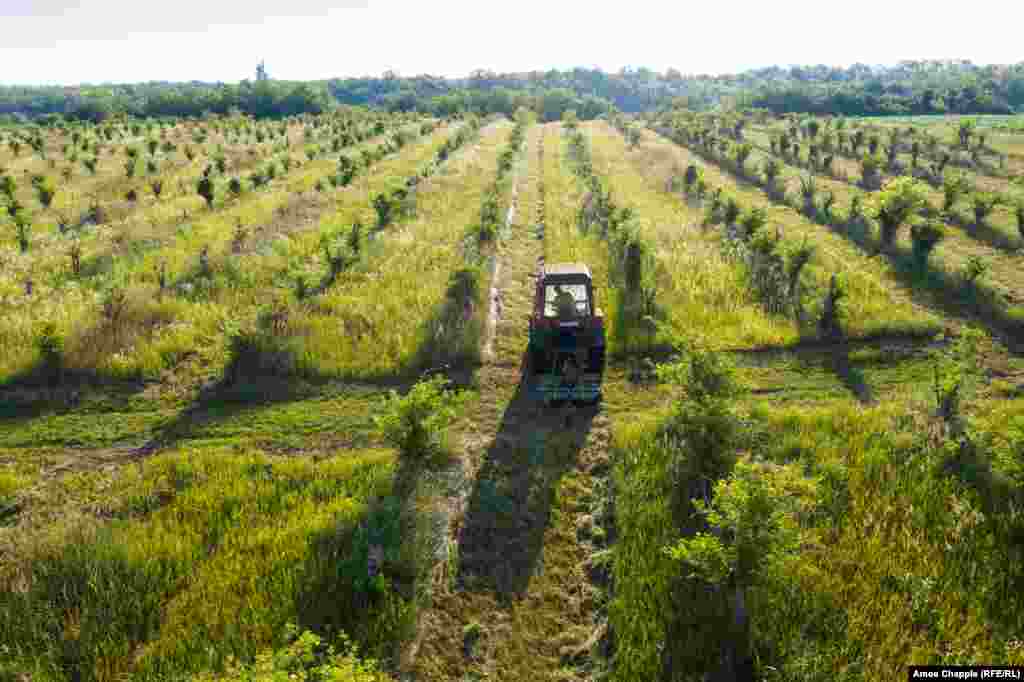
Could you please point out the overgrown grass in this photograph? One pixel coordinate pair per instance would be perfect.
(208, 555)
(908, 555)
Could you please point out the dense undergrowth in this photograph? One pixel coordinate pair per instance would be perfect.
(812, 541)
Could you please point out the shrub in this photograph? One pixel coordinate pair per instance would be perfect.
(22, 230)
(983, 203)
(730, 210)
(895, 204)
(752, 222)
(305, 657)
(235, 186)
(871, 169)
(955, 372)
(384, 209)
(808, 190)
(925, 236)
(830, 323)
(416, 423)
(954, 185)
(798, 258)
(973, 270)
(45, 192)
(50, 346)
(205, 188)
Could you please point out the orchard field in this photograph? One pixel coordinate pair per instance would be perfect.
(263, 389)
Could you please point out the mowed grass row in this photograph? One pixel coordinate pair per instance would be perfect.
(206, 555)
(154, 334)
(699, 286)
(876, 304)
(350, 330)
(563, 241)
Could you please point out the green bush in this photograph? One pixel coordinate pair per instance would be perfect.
(306, 657)
(416, 422)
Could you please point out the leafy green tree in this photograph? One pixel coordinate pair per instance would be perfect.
(925, 236)
(965, 130)
(830, 325)
(8, 186)
(983, 203)
(956, 374)
(415, 423)
(743, 152)
(871, 171)
(22, 229)
(754, 524)
(900, 199)
(808, 190)
(954, 186)
(205, 188)
(974, 269)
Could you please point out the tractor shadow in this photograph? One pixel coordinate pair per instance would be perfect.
(509, 511)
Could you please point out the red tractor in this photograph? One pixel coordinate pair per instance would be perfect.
(567, 339)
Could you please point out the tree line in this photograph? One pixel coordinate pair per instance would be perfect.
(924, 87)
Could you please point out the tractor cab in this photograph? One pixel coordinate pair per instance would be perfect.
(567, 337)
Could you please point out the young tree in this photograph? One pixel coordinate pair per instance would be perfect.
(900, 199)
(925, 236)
(23, 230)
(808, 190)
(743, 152)
(205, 188)
(983, 204)
(965, 130)
(954, 185)
(753, 531)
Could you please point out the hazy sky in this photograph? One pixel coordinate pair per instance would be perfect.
(94, 41)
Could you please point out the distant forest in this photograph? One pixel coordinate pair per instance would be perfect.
(910, 87)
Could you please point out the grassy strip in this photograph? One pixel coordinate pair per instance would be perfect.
(875, 539)
(873, 304)
(74, 313)
(973, 297)
(209, 555)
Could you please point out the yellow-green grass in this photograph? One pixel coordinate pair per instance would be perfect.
(877, 304)
(563, 242)
(952, 253)
(702, 290)
(109, 184)
(209, 554)
(163, 332)
(897, 563)
(149, 224)
(351, 331)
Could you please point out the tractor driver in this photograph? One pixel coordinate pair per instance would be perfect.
(565, 303)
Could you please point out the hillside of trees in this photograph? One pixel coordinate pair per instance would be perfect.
(910, 87)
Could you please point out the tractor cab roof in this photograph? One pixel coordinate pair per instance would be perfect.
(566, 271)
